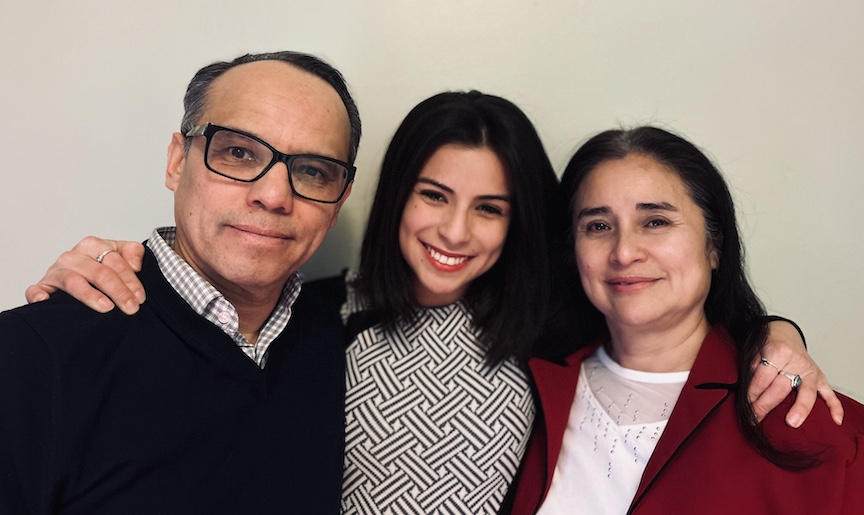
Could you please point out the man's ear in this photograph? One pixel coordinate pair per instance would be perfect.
(339, 205)
(176, 160)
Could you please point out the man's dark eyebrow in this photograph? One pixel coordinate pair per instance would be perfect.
(433, 182)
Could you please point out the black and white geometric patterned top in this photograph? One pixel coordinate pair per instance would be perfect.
(430, 427)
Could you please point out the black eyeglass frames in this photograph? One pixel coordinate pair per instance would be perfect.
(243, 157)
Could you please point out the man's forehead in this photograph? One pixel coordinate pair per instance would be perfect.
(269, 98)
(260, 80)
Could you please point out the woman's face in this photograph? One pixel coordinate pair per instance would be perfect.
(455, 222)
(641, 245)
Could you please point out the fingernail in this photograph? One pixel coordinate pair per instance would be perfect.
(794, 421)
(140, 296)
(40, 297)
(130, 306)
(105, 305)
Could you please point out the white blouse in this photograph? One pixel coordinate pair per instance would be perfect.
(615, 421)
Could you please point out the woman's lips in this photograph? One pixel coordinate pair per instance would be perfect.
(445, 261)
(630, 284)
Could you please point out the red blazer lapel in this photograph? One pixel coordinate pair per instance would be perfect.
(711, 381)
(556, 387)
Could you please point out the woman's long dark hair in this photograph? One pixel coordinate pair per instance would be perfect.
(510, 302)
(731, 302)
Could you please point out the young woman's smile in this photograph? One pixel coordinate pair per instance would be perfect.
(455, 222)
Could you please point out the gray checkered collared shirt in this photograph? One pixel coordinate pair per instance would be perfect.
(208, 302)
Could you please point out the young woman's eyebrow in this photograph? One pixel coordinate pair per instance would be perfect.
(503, 198)
(433, 182)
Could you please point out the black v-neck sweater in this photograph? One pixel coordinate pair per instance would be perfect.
(161, 412)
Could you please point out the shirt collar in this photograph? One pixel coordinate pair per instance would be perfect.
(208, 302)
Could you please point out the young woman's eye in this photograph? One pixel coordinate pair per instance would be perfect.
(432, 195)
(490, 209)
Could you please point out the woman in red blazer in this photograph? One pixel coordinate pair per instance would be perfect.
(654, 417)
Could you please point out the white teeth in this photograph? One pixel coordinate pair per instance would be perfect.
(445, 260)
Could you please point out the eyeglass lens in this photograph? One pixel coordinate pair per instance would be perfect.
(239, 157)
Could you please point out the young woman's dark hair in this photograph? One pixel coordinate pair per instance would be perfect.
(510, 302)
(731, 301)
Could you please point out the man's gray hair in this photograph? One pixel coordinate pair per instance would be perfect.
(196, 92)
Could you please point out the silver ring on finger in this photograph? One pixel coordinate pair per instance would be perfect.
(767, 362)
(795, 379)
(101, 256)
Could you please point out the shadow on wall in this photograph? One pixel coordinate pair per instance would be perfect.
(337, 251)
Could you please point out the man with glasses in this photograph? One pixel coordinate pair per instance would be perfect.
(225, 392)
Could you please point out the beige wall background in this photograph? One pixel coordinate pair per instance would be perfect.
(90, 92)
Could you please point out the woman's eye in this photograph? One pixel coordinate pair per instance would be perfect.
(657, 222)
(596, 227)
(432, 195)
(490, 209)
